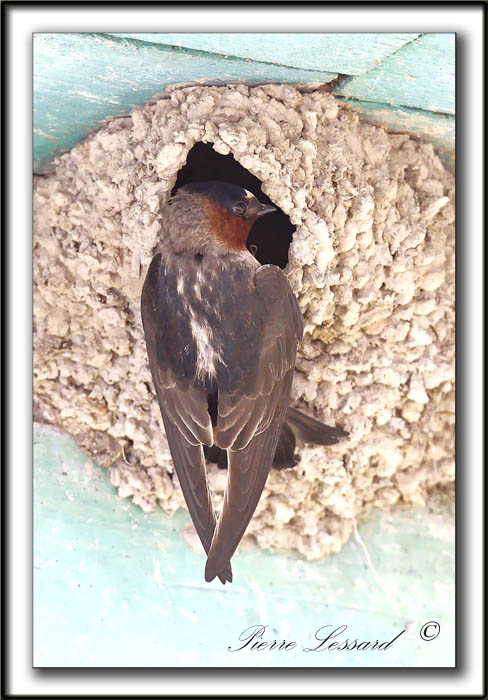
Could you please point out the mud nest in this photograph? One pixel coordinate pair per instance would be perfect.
(371, 261)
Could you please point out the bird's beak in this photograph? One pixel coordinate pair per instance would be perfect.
(265, 209)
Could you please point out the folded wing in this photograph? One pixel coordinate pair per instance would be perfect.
(251, 416)
(183, 407)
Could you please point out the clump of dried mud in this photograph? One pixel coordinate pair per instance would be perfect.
(371, 262)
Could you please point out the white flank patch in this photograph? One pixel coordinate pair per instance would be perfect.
(206, 355)
(180, 284)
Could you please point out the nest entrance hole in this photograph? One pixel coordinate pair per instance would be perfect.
(270, 237)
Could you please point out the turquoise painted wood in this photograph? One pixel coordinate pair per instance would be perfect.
(421, 74)
(406, 81)
(114, 586)
(80, 79)
(342, 53)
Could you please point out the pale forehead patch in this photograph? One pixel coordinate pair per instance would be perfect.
(248, 195)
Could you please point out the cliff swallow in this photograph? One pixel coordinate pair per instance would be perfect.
(222, 333)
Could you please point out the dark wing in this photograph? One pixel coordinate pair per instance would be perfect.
(183, 407)
(250, 418)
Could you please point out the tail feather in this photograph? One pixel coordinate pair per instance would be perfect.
(309, 430)
(297, 426)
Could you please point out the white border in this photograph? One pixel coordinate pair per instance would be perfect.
(468, 22)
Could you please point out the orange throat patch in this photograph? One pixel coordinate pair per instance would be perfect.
(231, 230)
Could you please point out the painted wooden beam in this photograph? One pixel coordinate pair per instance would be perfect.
(80, 79)
(421, 74)
(350, 53)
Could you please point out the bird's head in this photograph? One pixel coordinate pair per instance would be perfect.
(213, 215)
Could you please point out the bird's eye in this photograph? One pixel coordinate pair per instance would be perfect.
(239, 209)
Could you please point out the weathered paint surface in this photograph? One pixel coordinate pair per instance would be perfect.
(421, 74)
(342, 53)
(80, 79)
(401, 81)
